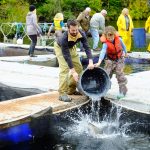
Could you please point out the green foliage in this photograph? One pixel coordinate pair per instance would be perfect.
(139, 9)
(95, 5)
(13, 10)
(74, 7)
(113, 8)
(49, 9)
(16, 10)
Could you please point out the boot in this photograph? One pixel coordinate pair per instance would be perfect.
(74, 93)
(65, 98)
(32, 55)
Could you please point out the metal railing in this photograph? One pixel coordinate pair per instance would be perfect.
(17, 30)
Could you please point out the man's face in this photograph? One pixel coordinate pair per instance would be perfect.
(73, 30)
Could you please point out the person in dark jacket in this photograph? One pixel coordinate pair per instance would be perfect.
(84, 22)
(69, 61)
(32, 28)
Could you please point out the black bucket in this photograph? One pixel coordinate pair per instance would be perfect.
(94, 83)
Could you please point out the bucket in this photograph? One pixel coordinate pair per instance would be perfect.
(94, 83)
(139, 37)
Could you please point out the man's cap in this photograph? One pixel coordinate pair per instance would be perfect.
(104, 11)
(32, 8)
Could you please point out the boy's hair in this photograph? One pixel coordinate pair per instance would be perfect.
(72, 22)
(109, 29)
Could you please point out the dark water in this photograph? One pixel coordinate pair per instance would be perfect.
(116, 129)
(134, 68)
(7, 93)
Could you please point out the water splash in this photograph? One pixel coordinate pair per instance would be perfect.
(88, 132)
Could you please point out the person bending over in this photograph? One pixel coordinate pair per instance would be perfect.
(69, 61)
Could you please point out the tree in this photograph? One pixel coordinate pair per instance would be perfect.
(139, 9)
(49, 9)
(13, 10)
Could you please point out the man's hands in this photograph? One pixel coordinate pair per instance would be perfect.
(74, 74)
(90, 65)
(49, 34)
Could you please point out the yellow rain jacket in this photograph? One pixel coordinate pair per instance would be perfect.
(147, 28)
(147, 25)
(126, 35)
(57, 24)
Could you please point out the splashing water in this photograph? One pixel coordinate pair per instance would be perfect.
(89, 133)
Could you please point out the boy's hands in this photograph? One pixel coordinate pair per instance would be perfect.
(98, 64)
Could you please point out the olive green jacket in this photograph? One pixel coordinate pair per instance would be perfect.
(84, 21)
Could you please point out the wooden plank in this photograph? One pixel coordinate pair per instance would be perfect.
(20, 110)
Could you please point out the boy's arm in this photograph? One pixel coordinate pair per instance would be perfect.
(102, 55)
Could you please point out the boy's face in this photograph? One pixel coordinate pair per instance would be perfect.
(110, 36)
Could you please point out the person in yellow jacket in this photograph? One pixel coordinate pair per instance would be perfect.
(125, 26)
(147, 28)
(57, 25)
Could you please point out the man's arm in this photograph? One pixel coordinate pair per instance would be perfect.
(50, 29)
(102, 23)
(86, 46)
(79, 18)
(38, 29)
(87, 51)
(66, 54)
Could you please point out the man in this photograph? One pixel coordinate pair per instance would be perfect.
(69, 61)
(125, 26)
(84, 22)
(97, 22)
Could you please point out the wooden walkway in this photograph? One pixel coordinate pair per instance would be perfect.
(21, 110)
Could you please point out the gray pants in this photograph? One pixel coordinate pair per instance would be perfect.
(117, 67)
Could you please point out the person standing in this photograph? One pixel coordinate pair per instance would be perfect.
(125, 26)
(114, 51)
(147, 28)
(97, 22)
(69, 61)
(84, 22)
(57, 25)
(33, 29)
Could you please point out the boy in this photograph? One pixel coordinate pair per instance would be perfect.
(114, 51)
